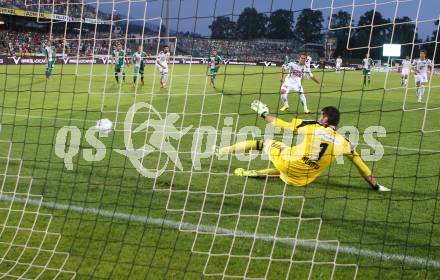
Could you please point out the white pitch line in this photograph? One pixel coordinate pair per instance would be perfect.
(413, 149)
(218, 230)
(406, 149)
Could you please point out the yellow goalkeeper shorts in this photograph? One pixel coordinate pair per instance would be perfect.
(293, 169)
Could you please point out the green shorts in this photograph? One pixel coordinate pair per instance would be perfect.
(366, 72)
(213, 71)
(50, 64)
(119, 68)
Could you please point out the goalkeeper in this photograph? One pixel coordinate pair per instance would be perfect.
(302, 164)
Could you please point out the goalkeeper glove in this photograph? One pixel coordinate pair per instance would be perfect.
(259, 107)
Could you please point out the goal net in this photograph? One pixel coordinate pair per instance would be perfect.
(112, 113)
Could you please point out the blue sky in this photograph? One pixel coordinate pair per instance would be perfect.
(196, 15)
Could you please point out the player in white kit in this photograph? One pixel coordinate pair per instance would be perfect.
(293, 82)
(406, 69)
(422, 70)
(308, 64)
(308, 70)
(163, 58)
(338, 64)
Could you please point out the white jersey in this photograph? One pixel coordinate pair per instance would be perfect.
(422, 66)
(338, 61)
(164, 58)
(406, 64)
(294, 78)
(296, 72)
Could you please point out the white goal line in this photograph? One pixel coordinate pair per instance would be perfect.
(238, 233)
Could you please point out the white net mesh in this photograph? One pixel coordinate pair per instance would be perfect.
(150, 193)
(29, 248)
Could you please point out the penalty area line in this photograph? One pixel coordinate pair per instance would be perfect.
(218, 230)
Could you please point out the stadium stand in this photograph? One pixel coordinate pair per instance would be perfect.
(242, 50)
(61, 7)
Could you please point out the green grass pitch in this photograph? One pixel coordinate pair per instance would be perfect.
(136, 234)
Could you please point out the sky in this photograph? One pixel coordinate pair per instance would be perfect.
(196, 15)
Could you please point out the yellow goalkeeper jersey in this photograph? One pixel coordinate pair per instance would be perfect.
(320, 146)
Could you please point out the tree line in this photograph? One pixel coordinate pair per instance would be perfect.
(372, 30)
(278, 25)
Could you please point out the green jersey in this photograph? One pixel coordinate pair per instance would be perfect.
(214, 61)
(119, 56)
(138, 58)
(367, 63)
(49, 52)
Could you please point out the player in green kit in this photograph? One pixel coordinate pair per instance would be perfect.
(214, 61)
(138, 61)
(119, 60)
(49, 53)
(367, 64)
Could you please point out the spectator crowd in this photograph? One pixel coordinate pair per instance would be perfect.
(88, 43)
(253, 50)
(71, 8)
(72, 43)
(28, 43)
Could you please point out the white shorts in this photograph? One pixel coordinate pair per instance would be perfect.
(338, 66)
(421, 78)
(405, 72)
(292, 85)
(162, 70)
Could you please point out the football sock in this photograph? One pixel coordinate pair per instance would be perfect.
(303, 99)
(269, 171)
(284, 99)
(420, 92)
(242, 147)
